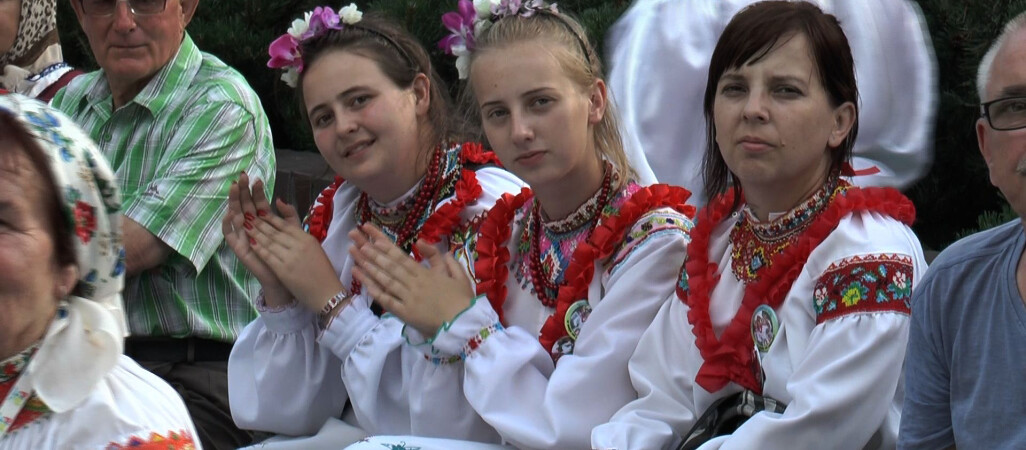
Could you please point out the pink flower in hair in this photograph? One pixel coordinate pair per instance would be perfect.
(284, 52)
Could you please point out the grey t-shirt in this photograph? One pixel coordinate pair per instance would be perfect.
(965, 370)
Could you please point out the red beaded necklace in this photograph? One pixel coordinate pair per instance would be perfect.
(425, 196)
(543, 283)
(442, 221)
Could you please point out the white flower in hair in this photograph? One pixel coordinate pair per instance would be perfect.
(350, 14)
(481, 27)
(291, 77)
(463, 65)
(484, 8)
(300, 26)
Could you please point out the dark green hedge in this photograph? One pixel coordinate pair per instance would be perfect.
(949, 199)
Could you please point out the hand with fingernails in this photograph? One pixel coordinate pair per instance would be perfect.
(288, 262)
(423, 297)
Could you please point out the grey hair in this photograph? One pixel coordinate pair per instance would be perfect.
(983, 73)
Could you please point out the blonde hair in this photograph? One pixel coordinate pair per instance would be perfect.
(579, 62)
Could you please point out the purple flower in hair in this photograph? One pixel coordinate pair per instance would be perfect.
(461, 25)
(323, 18)
(522, 8)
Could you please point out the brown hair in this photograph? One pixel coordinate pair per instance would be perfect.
(14, 135)
(579, 61)
(749, 37)
(399, 55)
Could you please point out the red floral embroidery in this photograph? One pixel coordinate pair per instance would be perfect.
(85, 221)
(34, 408)
(729, 358)
(180, 440)
(863, 284)
(491, 268)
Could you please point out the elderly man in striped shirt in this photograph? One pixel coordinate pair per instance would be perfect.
(178, 126)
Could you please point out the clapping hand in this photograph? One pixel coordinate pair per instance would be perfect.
(245, 205)
(423, 297)
(295, 257)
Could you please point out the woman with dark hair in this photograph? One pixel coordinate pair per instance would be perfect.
(789, 324)
(382, 119)
(63, 380)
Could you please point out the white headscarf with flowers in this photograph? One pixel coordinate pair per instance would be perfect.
(83, 342)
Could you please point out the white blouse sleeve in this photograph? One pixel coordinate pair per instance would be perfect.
(510, 379)
(851, 371)
(665, 406)
(279, 379)
(372, 370)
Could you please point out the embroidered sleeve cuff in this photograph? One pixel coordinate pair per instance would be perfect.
(286, 319)
(261, 305)
(449, 340)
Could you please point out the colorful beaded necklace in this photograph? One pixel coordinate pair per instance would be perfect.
(755, 243)
(547, 277)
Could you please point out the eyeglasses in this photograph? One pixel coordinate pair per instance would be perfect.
(1005, 114)
(103, 8)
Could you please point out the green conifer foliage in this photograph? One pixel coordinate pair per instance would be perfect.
(949, 199)
(957, 188)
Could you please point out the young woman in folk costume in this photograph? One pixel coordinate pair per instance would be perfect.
(568, 274)
(793, 306)
(382, 121)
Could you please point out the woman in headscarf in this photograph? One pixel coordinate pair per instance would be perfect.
(63, 380)
(31, 61)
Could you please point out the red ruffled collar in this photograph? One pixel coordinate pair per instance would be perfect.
(730, 358)
(491, 267)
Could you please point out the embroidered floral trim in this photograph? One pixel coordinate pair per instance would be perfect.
(11, 367)
(478, 338)
(755, 243)
(468, 348)
(491, 269)
(651, 224)
(10, 370)
(584, 214)
(863, 284)
(173, 440)
(729, 357)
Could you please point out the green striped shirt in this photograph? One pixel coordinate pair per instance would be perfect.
(175, 149)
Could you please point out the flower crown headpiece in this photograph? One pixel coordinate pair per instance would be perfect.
(474, 17)
(285, 51)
